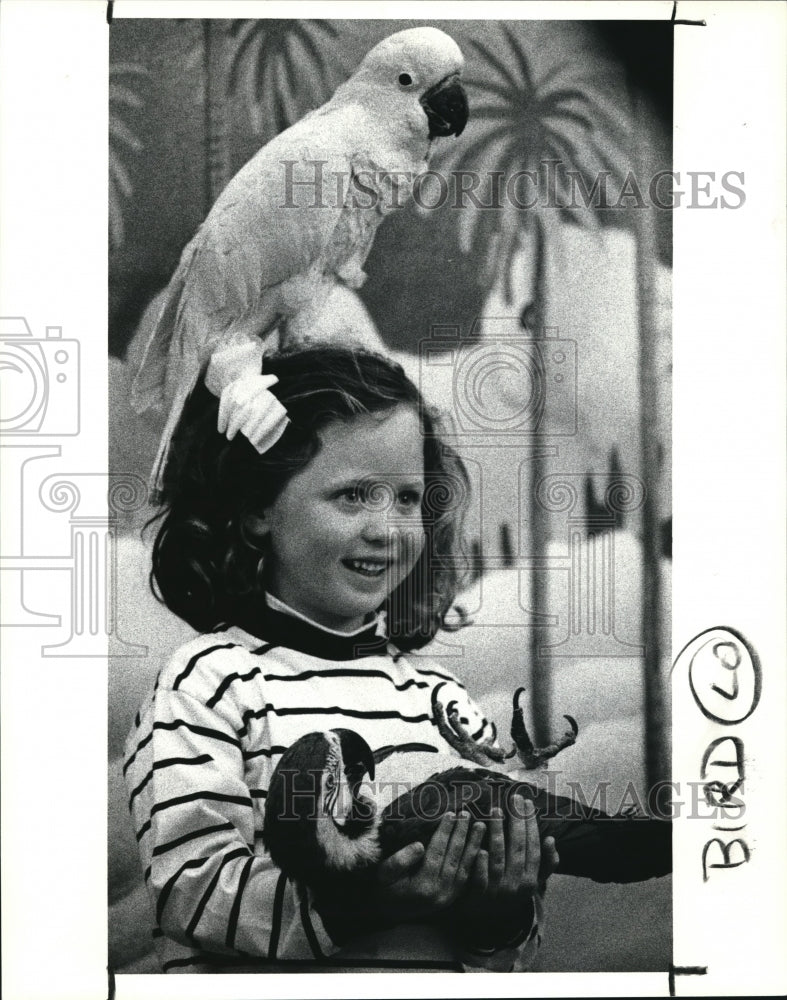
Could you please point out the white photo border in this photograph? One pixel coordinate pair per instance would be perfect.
(728, 474)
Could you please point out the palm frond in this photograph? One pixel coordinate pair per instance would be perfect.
(318, 61)
(496, 63)
(115, 217)
(466, 155)
(502, 90)
(576, 75)
(471, 219)
(119, 175)
(521, 59)
(558, 98)
(264, 57)
(272, 61)
(122, 95)
(490, 112)
(123, 133)
(568, 150)
(122, 101)
(566, 115)
(248, 33)
(136, 69)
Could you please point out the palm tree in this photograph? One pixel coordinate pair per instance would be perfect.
(123, 97)
(281, 66)
(277, 66)
(564, 130)
(562, 126)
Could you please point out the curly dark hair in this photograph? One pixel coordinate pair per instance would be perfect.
(206, 565)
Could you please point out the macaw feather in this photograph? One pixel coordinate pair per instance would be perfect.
(591, 843)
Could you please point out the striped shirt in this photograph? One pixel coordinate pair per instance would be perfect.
(198, 763)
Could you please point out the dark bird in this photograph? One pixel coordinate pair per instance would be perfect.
(324, 830)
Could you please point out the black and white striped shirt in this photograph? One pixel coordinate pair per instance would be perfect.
(201, 754)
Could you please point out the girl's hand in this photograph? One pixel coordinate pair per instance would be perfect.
(499, 902)
(412, 885)
(410, 893)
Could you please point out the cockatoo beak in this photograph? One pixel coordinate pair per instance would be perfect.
(446, 107)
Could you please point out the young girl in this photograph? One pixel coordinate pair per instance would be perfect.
(311, 533)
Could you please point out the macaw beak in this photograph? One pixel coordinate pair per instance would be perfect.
(356, 754)
(446, 107)
(352, 810)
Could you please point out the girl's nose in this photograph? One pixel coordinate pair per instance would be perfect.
(376, 527)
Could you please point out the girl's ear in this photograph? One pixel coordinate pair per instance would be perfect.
(254, 530)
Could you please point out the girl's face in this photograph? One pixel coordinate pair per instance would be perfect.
(347, 529)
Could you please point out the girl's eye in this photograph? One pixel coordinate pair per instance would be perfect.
(409, 498)
(352, 494)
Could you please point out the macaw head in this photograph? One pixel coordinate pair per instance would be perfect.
(317, 819)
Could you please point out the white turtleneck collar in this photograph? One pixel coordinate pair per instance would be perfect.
(275, 604)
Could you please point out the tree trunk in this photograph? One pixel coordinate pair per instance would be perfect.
(217, 152)
(540, 681)
(652, 601)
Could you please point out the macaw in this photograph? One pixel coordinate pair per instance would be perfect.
(327, 834)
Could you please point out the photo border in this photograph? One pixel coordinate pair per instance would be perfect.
(728, 488)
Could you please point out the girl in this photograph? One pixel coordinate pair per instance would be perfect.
(310, 531)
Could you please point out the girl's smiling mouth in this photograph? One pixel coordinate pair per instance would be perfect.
(370, 568)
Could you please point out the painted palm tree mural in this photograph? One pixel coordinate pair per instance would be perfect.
(283, 68)
(125, 100)
(267, 72)
(560, 132)
(552, 148)
(550, 122)
(191, 100)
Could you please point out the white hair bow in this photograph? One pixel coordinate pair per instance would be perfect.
(246, 403)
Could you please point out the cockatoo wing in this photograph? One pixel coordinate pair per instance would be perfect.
(268, 251)
(273, 222)
(283, 232)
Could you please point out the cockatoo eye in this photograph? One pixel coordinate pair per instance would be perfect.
(405, 80)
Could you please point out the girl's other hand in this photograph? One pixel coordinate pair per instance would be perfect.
(415, 883)
(499, 903)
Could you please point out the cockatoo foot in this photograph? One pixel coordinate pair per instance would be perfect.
(352, 276)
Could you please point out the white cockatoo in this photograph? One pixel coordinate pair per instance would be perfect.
(300, 217)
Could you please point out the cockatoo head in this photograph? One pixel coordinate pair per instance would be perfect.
(414, 74)
(317, 819)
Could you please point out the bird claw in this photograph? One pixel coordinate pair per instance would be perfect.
(531, 756)
(352, 274)
(483, 753)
